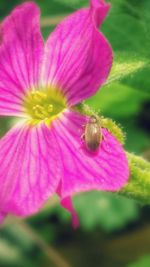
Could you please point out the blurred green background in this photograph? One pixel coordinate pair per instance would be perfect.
(114, 231)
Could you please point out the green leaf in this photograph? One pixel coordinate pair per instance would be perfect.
(142, 262)
(73, 3)
(51, 8)
(112, 101)
(122, 68)
(137, 139)
(126, 27)
(140, 80)
(6, 6)
(104, 209)
(100, 209)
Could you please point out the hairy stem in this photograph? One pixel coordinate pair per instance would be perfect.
(138, 187)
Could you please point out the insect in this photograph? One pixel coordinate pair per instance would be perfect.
(92, 134)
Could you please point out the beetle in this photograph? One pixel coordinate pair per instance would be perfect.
(93, 134)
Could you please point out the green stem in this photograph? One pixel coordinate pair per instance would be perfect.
(138, 187)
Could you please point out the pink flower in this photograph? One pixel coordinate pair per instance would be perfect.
(40, 83)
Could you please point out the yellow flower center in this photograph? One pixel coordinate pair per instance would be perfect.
(44, 105)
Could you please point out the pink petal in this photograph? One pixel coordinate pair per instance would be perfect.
(21, 50)
(67, 204)
(78, 58)
(29, 169)
(100, 10)
(82, 170)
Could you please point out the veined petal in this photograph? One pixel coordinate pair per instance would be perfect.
(78, 58)
(21, 50)
(29, 169)
(105, 170)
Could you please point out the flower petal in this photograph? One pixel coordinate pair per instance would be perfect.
(78, 58)
(29, 169)
(21, 50)
(105, 170)
(67, 204)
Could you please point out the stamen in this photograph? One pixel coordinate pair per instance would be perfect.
(37, 95)
(50, 108)
(44, 105)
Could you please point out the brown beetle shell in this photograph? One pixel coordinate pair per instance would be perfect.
(93, 134)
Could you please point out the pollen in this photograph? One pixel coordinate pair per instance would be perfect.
(44, 105)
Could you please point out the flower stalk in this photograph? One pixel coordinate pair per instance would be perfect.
(138, 187)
